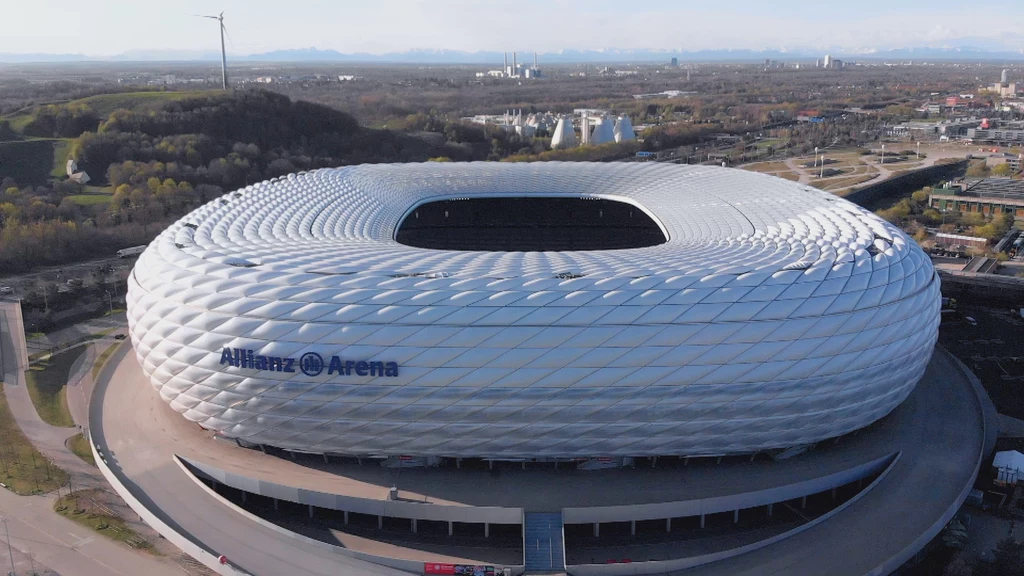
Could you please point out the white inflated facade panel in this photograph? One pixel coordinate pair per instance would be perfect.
(774, 315)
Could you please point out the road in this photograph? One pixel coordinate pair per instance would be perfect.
(56, 542)
(174, 497)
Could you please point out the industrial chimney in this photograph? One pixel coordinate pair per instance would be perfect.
(515, 69)
(504, 67)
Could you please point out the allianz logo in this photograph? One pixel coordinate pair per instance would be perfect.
(310, 364)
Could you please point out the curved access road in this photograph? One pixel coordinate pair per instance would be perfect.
(164, 489)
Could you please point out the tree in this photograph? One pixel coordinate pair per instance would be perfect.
(1008, 561)
(1002, 170)
(978, 170)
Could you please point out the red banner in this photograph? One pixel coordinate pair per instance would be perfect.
(457, 569)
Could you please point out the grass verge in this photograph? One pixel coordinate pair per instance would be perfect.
(22, 468)
(102, 359)
(47, 386)
(86, 508)
(79, 446)
(90, 199)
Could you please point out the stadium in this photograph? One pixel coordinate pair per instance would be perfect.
(532, 311)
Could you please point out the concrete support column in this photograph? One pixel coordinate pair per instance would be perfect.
(380, 522)
(359, 460)
(597, 529)
(803, 503)
(275, 503)
(668, 524)
(487, 530)
(310, 511)
(451, 528)
(326, 461)
(244, 496)
(346, 517)
(524, 464)
(770, 509)
(654, 462)
(458, 463)
(833, 493)
(736, 516)
(412, 523)
(263, 448)
(632, 527)
(702, 520)
(719, 461)
(490, 464)
(214, 482)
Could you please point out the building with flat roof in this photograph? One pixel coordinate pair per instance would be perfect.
(988, 196)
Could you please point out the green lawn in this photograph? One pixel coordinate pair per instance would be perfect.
(22, 468)
(90, 199)
(79, 445)
(47, 385)
(102, 359)
(85, 507)
(61, 147)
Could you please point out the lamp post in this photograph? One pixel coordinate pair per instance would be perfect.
(918, 150)
(883, 154)
(110, 302)
(815, 156)
(822, 175)
(10, 551)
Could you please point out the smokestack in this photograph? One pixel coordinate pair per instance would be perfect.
(534, 60)
(514, 68)
(504, 67)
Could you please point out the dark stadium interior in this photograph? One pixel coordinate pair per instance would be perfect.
(531, 224)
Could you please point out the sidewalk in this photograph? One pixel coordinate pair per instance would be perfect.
(56, 543)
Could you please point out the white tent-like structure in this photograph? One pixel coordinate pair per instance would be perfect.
(1009, 467)
(564, 136)
(624, 129)
(604, 132)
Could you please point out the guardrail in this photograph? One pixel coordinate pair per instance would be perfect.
(989, 433)
(120, 482)
(665, 566)
(703, 506)
(207, 557)
(415, 566)
(374, 507)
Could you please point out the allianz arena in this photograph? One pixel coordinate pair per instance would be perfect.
(547, 310)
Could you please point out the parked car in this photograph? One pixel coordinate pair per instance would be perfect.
(74, 283)
(120, 336)
(6, 290)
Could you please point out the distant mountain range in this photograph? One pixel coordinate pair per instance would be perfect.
(611, 55)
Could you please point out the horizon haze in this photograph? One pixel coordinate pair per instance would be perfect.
(558, 30)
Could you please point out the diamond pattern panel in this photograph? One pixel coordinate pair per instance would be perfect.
(774, 315)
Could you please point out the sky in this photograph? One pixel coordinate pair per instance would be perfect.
(112, 27)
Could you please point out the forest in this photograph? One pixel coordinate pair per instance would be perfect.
(162, 162)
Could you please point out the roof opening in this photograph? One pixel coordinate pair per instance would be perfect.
(528, 224)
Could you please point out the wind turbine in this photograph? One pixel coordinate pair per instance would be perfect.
(223, 53)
